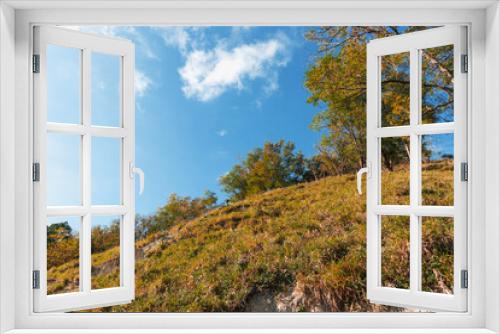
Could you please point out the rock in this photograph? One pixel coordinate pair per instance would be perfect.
(263, 301)
(156, 246)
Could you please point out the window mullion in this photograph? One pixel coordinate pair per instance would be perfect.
(415, 184)
(86, 252)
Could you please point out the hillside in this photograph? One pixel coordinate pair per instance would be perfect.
(299, 248)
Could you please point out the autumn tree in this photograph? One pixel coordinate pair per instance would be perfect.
(273, 166)
(58, 232)
(178, 209)
(337, 84)
(104, 237)
(62, 244)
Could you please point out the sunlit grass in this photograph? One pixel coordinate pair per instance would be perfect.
(302, 246)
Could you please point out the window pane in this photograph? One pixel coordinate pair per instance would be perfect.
(106, 171)
(63, 169)
(106, 89)
(63, 254)
(395, 89)
(437, 169)
(437, 254)
(395, 235)
(395, 170)
(437, 84)
(105, 251)
(63, 84)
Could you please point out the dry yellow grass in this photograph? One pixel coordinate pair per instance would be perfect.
(302, 246)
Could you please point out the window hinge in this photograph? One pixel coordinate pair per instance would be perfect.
(36, 172)
(36, 279)
(464, 171)
(465, 64)
(36, 63)
(464, 279)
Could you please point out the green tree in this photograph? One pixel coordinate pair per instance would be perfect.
(144, 225)
(273, 166)
(182, 209)
(58, 232)
(337, 83)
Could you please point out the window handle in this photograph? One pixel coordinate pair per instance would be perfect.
(136, 170)
(359, 177)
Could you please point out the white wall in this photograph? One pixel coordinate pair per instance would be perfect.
(492, 204)
(7, 148)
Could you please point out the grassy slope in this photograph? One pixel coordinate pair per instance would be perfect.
(300, 248)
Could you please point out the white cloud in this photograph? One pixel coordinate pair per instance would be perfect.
(209, 73)
(141, 83)
(139, 107)
(222, 133)
(185, 39)
(212, 64)
(258, 104)
(271, 84)
(177, 37)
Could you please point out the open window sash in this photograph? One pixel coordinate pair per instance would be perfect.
(85, 295)
(413, 44)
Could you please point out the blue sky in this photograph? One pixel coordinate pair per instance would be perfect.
(191, 128)
(205, 97)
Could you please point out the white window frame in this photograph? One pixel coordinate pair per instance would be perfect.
(86, 297)
(16, 20)
(412, 44)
